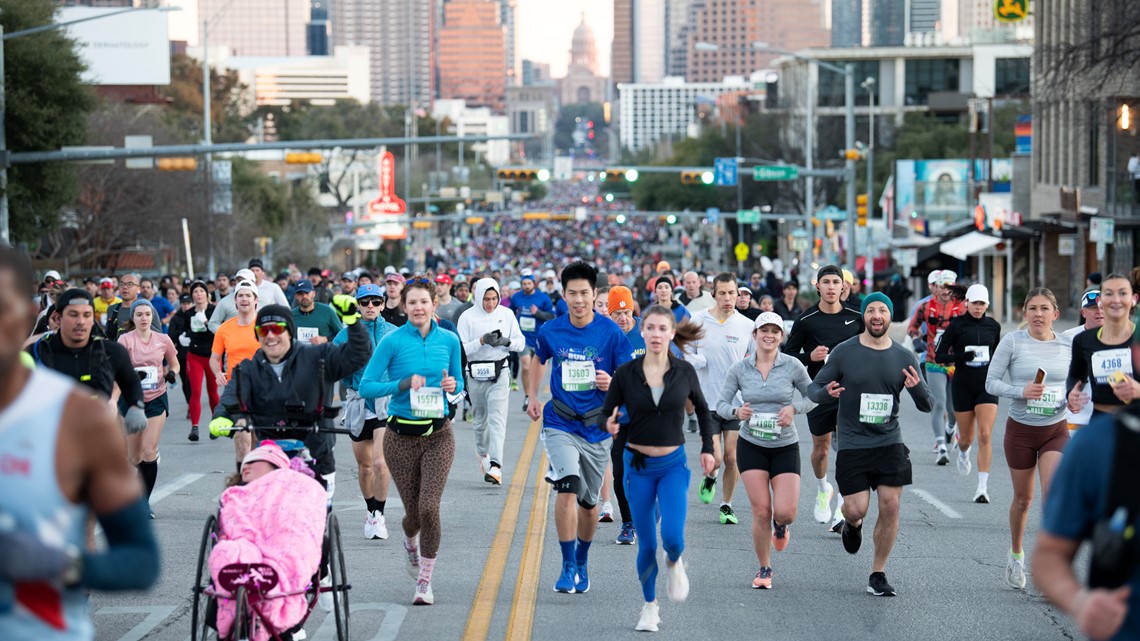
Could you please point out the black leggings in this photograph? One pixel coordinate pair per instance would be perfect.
(617, 455)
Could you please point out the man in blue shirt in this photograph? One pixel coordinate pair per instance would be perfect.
(532, 308)
(586, 349)
(164, 310)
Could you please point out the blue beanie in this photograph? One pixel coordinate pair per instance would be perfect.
(877, 297)
(139, 302)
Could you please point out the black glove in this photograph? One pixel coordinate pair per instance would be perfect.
(968, 356)
(502, 341)
(170, 377)
(489, 339)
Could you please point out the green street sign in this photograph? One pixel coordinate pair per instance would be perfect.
(745, 216)
(774, 172)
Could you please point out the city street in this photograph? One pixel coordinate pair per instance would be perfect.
(499, 559)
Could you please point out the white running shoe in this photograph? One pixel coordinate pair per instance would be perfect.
(676, 581)
(942, 458)
(837, 522)
(964, 465)
(607, 513)
(822, 511)
(379, 527)
(325, 600)
(649, 618)
(423, 594)
(1015, 573)
(981, 496)
(370, 526)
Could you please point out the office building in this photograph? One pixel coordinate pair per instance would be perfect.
(476, 121)
(536, 73)
(317, 80)
(678, 16)
(318, 28)
(888, 23)
(472, 54)
(508, 17)
(258, 27)
(532, 109)
(847, 23)
(733, 25)
(399, 35)
(650, 112)
(622, 50)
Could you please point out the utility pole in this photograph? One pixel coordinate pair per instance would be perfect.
(849, 98)
(869, 85)
(208, 138)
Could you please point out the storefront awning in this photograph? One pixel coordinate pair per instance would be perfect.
(968, 245)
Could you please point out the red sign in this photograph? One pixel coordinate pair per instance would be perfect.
(387, 203)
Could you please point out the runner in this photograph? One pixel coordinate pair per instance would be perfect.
(221, 287)
(488, 333)
(621, 308)
(916, 329)
(268, 292)
(663, 295)
(937, 314)
(788, 306)
(414, 365)
(195, 336)
(822, 327)
(693, 296)
(226, 308)
(236, 340)
(585, 349)
(74, 462)
(104, 301)
(744, 303)
(968, 344)
(393, 311)
(119, 314)
(867, 374)
(1093, 319)
(769, 451)
(532, 309)
(727, 338)
(653, 389)
(148, 350)
(1105, 356)
(317, 323)
(1037, 430)
(366, 418)
(448, 304)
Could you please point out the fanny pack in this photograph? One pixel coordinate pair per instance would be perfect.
(592, 417)
(415, 426)
(499, 365)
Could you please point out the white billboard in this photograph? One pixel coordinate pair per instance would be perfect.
(128, 49)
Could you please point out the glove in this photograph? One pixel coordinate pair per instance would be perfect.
(968, 356)
(200, 317)
(490, 339)
(346, 305)
(135, 420)
(220, 426)
(26, 558)
(184, 340)
(170, 377)
(502, 341)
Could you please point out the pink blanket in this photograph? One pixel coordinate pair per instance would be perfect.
(279, 520)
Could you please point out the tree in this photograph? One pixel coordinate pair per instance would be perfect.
(568, 121)
(187, 109)
(1096, 52)
(47, 107)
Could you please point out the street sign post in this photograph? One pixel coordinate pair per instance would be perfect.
(745, 216)
(725, 171)
(766, 173)
(713, 214)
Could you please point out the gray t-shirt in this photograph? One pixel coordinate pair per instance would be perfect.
(447, 310)
(766, 397)
(872, 380)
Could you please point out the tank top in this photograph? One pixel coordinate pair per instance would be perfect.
(28, 432)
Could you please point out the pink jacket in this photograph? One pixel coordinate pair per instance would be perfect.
(279, 519)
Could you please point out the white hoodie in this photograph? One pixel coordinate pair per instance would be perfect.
(474, 322)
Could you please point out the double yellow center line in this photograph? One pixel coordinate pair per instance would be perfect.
(526, 586)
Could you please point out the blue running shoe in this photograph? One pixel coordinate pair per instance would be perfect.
(628, 535)
(582, 586)
(565, 583)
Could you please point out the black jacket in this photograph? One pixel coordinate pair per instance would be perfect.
(965, 331)
(659, 423)
(200, 342)
(99, 365)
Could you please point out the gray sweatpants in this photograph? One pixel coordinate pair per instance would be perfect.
(489, 402)
(943, 410)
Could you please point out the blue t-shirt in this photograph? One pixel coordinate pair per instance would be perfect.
(163, 308)
(561, 308)
(1078, 496)
(520, 304)
(636, 340)
(602, 342)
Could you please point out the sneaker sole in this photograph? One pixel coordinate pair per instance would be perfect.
(981, 499)
(872, 592)
(419, 601)
(492, 480)
(626, 542)
(570, 591)
(761, 587)
(942, 460)
(606, 518)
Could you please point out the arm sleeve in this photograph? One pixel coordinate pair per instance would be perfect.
(334, 323)
(802, 382)
(171, 353)
(728, 389)
(216, 318)
(701, 407)
(542, 351)
(219, 346)
(693, 350)
(1078, 367)
(470, 342)
(830, 372)
(995, 383)
(544, 315)
(916, 319)
(130, 544)
(518, 340)
(125, 376)
(375, 383)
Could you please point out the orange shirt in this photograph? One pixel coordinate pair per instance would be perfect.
(236, 342)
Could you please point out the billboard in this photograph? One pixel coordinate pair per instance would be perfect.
(128, 49)
(937, 191)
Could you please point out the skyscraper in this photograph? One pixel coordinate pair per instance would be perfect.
(621, 53)
(888, 23)
(317, 33)
(649, 40)
(258, 27)
(508, 16)
(472, 54)
(399, 35)
(678, 15)
(846, 23)
(733, 25)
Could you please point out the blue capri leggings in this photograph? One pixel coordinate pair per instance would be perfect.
(664, 482)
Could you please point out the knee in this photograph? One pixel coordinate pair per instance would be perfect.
(784, 516)
(889, 509)
(1022, 501)
(984, 437)
(730, 459)
(149, 452)
(853, 512)
(762, 513)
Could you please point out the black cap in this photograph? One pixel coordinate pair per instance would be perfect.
(1094, 278)
(828, 270)
(256, 262)
(314, 271)
(277, 314)
(74, 296)
(186, 298)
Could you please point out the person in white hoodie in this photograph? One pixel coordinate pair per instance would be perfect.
(489, 332)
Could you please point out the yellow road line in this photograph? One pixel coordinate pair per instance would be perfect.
(526, 588)
(483, 607)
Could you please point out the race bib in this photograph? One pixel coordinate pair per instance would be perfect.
(764, 427)
(1050, 404)
(1107, 361)
(578, 376)
(427, 402)
(483, 371)
(306, 334)
(526, 323)
(196, 325)
(875, 408)
(150, 378)
(981, 355)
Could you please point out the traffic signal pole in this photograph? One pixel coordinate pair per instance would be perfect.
(849, 99)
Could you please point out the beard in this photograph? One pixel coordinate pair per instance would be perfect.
(880, 333)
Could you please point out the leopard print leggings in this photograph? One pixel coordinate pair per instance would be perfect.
(419, 467)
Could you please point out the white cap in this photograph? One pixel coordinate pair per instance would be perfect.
(245, 274)
(549, 274)
(514, 284)
(52, 274)
(948, 277)
(934, 277)
(978, 294)
(389, 270)
(769, 318)
(247, 287)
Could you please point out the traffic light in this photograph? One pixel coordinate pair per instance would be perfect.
(523, 174)
(303, 158)
(176, 164)
(629, 175)
(671, 219)
(620, 219)
(852, 154)
(696, 177)
(861, 210)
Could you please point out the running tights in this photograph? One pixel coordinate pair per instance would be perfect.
(617, 457)
(199, 369)
(662, 484)
(419, 467)
(939, 384)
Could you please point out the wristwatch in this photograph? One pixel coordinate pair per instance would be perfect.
(73, 570)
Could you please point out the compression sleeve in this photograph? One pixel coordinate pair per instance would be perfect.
(131, 560)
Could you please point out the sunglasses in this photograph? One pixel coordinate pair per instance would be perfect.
(370, 302)
(274, 329)
(425, 281)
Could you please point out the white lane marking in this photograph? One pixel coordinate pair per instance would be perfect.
(942, 507)
(155, 614)
(170, 488)
(394, 614)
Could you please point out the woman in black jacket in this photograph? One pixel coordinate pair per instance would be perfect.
(190, 331)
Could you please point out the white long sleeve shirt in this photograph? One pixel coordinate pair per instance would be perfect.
(723, 345)
(474, 323)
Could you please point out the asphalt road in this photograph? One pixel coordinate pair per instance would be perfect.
(499, 559)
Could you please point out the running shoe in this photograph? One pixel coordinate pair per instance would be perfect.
(423, 594)
(649, 618)
(1015, 572)
(413, 553)
(943, 458)
(582, 585)
(981, 496)
(727, 516)
(465, 415)
(878, 586)
(707, 490)
(514, 385)
(964, 465)
(494, 475)
(193, 433)
(836, 526)
(822, 512)
(781, 535)
(565, 582)
(607, 513)
(628, 535)
(676, 581)
(370, 526)
(379, 527)
(763, 580)
(325, 600)
(693, 425)
(852, 537)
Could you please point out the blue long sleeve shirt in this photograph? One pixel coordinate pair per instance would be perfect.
(405, 352)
